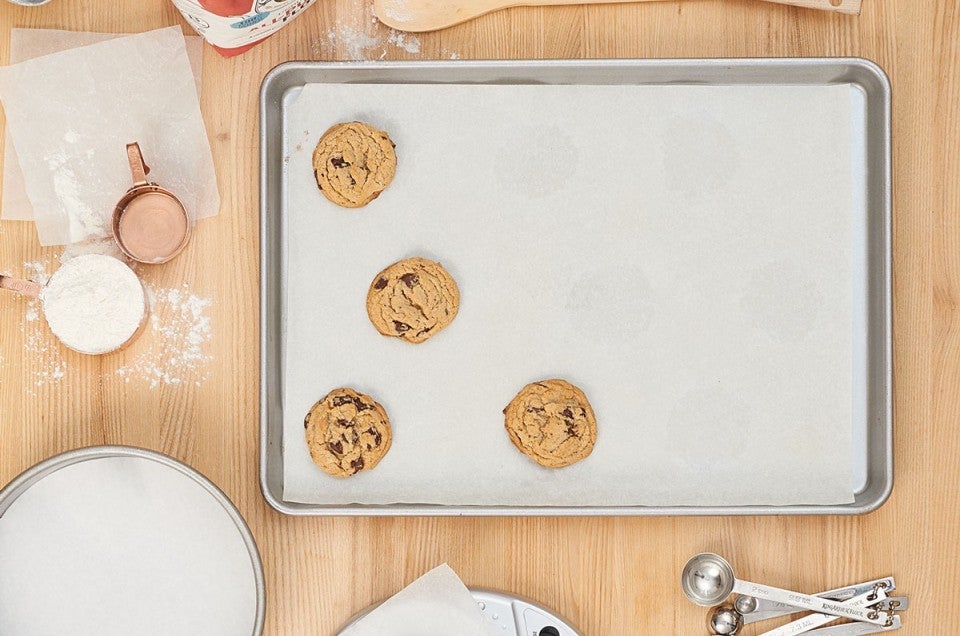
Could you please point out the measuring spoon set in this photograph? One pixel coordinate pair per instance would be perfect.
(708, 580)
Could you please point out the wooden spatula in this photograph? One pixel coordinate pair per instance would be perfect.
(431, 15)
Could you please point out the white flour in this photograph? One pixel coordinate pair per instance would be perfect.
(37, 271)
(172, 351)
(405, 41)
(179, 329)
(105, 246)
(45, 355)
(368, 39)
(94, 303)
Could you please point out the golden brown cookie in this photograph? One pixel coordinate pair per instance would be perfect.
(347, 432)
(353, 163)
(552, 422)
(412, 299)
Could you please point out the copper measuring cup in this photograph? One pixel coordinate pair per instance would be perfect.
(35, 290)
(150, 225)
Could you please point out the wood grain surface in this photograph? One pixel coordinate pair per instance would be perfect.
(608, 576)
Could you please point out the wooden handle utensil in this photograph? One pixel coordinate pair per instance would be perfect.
(431, 15)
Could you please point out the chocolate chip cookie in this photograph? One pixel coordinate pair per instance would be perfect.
(412, 299)
(552, 422)
(353, 163)
(347, 432)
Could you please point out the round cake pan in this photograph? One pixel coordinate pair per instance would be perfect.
(12, 491)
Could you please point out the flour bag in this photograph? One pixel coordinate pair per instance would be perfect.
(233, 26)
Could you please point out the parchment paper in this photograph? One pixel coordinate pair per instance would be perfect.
(26, 44)
(681, 253)
(436, 604)
(93, 100)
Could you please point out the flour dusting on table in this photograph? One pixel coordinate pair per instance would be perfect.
(367, 39)
(172, 351)
(179, 330)
(49, 365)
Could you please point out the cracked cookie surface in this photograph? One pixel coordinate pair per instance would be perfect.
(551, 422)
(347, 432)
(353, 163)
(412, 299)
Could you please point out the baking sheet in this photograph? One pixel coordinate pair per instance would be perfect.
(682, 253)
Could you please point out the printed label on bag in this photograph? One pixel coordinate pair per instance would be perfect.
(235, 23)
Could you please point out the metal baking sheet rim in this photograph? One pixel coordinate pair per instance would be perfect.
(865, 74)
(29, 477)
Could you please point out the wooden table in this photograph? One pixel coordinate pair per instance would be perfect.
(608, 576)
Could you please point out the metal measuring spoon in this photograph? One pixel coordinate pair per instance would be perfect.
(708, 579)
(724, 620)
(754, 609)
(813, 621)
(856, 629)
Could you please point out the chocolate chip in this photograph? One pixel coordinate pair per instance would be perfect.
(357, 464)
(306, 421)
(335, 447)
(340, 400)
(400, 326)
(535, 409)
(343, 423)
(361, 406)
(410, 280)
(571, 432)
(380, 284)
(377, 438)
(338, 162)
(567, 413)
(353, 181)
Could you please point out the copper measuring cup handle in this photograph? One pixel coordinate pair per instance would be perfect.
(25, 287)
(138, 169)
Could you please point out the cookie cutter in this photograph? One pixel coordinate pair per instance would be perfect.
(150, 224)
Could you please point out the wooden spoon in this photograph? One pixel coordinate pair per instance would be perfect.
(431, 15)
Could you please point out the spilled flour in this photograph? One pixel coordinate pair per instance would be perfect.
(38, 343)
(405, 41)
(367, 39)
(106, 246)
(171, 352)
(180, 327)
